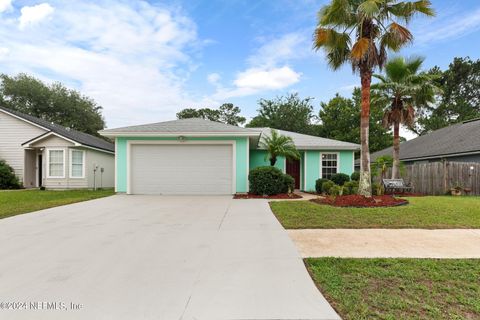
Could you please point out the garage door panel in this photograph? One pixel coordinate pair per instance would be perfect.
(181, 169)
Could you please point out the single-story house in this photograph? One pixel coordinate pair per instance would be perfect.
(197, 156)
(49, 155)
(456, 143)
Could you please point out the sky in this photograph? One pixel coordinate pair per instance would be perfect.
(143, 61)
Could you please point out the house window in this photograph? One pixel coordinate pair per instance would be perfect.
(329, 165)
(77, 163)
(56, 164)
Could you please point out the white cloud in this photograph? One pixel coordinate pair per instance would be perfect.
(34, 14)
(213, 78)
(5, 5)
(449, 26)
(268, 69)
(132, 57)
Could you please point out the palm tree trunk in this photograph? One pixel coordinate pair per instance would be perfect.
(365, 183)
(273, 160)
(396, 150)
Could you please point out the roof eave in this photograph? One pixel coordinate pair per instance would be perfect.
(176, 134)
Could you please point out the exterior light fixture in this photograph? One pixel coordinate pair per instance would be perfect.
(182, 138)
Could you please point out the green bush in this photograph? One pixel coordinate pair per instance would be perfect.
(319, 184)
(8, 179)
(340, 178)
(350, 187)
(269, 180)
(336, 190)
(377, 189)
(289, 182)
(326, 186)
(355, 176)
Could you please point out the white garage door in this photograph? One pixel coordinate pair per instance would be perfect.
(181, 169)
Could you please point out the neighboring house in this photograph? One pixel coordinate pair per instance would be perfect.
(196, 156)
(456, 143)
(52, 156)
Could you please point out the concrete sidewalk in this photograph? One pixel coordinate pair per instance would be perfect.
(394, 243)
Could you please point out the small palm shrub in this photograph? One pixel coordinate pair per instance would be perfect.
(355, 176)
(319, 184)
(8, 179)
(340, 178)
(269, 181)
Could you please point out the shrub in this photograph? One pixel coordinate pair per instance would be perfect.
(8, 179)
(377, 189)
(269, 180)
(289, 183)
(319, 184)
(326, 186)
(336, 190)
(340, 178)
(350, 187)
(355, 176)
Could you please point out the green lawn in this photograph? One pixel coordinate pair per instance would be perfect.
(422, 212)
(23, 201)
(399, 288)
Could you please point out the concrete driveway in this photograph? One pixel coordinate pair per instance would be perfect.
(154, 257)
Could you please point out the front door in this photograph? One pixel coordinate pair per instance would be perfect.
(293, 169)
(40, 168)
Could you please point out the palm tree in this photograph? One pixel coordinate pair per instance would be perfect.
(279, 145)
(360, 32)
(402, 89)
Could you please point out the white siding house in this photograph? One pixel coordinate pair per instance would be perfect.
(52, 156)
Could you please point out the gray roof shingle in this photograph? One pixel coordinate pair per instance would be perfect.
(459, 138)
(191, 125)
(77, 136)
(308, 142)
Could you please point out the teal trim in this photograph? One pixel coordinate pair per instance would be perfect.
(240, 160)
(258, 159)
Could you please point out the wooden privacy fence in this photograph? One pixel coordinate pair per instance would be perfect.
(437, 178)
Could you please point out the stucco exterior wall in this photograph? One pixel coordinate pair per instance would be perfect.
(312, 165)
(241, 158)
(258, 159)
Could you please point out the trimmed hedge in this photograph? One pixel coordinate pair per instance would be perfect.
(340, 178)
(319, 184)
(8, 179)
(327, 185)
(269, 181)
(350, 187)
(355, 176)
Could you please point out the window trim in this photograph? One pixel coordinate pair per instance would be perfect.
(70, 165)
(49, 176)
(321, 165)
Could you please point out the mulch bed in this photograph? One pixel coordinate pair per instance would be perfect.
(361, 201)
(276, 196)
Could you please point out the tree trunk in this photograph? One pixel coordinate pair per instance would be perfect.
(273, 160)
(396, 151)
(365, 183)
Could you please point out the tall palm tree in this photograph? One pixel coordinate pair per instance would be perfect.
(279, 145)
(360, 32)
(402, 89)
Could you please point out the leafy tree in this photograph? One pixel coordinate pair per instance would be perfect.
(340, 120)
(279, 145)
(290, 113)
(402, 89)
(460, 100)
(54, 103)
(360, 32)
(226, 113)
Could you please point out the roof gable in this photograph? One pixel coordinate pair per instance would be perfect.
(77, 136)
(193, 126)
